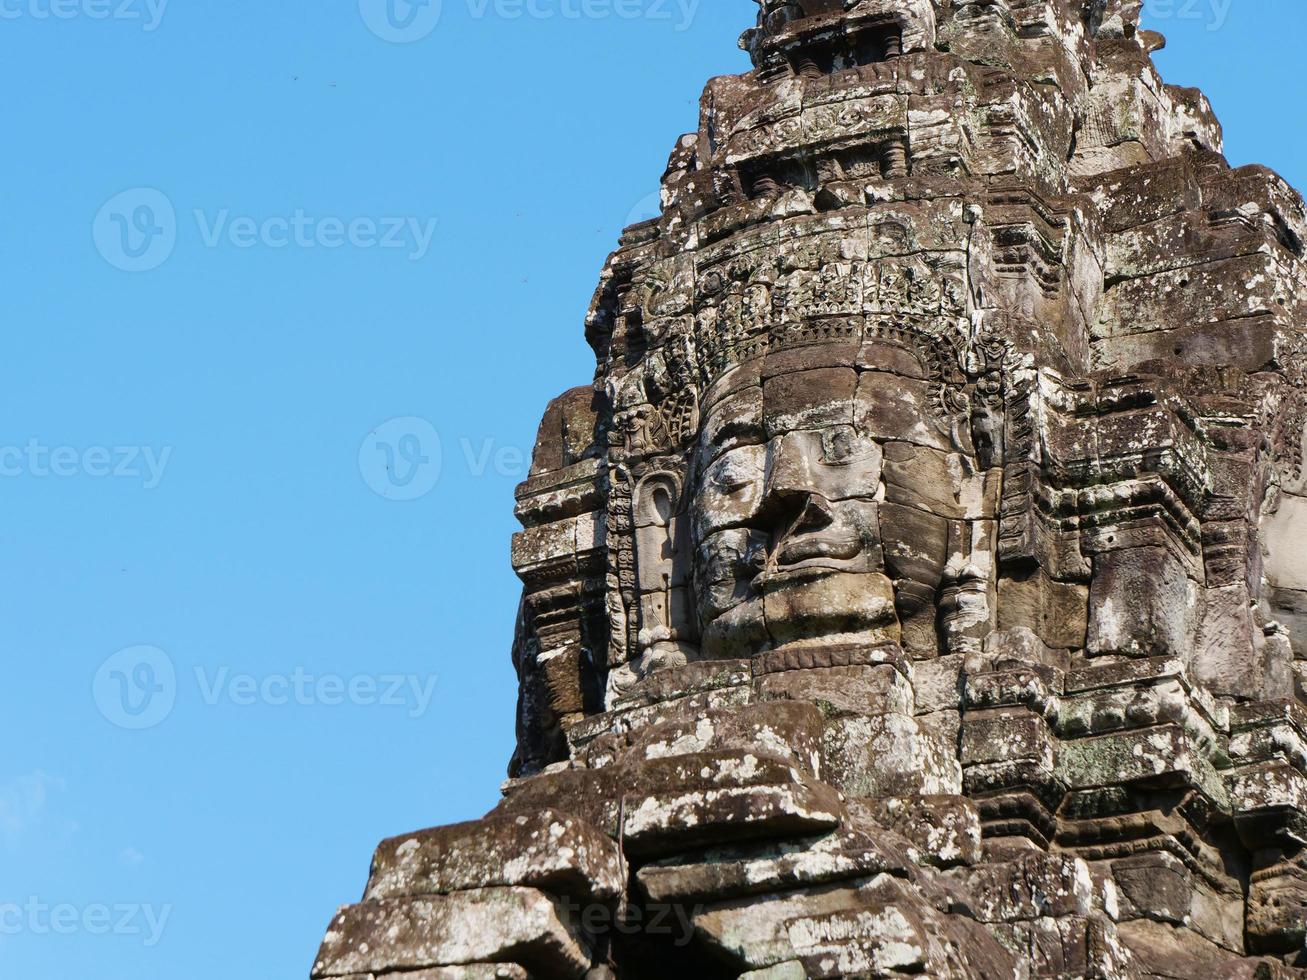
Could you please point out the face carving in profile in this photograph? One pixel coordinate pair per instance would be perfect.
(785, 517)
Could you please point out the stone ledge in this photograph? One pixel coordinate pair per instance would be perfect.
(548, 850)
(518, 925)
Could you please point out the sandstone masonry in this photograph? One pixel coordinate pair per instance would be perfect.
(920, 588)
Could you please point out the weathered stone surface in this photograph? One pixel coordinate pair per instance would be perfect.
(552, 851)
(1159, 886)
(943, 831)
(877, 928)
(889, 755)
(791, 730)
(515, 924)
(470, 971)
(841, 690)
(1142, 604)
(919, 588)
(1071, 947)
(1166, 953)
(793, 970)
(1154, 886)
(1038, 886)
(715, 797)
(1277, 908)
(734, 872)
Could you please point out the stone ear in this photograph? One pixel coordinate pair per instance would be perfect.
(657, 501)
(663, 561)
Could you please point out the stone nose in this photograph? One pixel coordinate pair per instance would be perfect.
(812, 513)
(790, 460)
(792, 503)
(792, 520)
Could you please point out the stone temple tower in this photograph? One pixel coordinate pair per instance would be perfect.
(920, 587)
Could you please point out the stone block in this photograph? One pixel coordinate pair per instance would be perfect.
(680, 682)
(1164, 754)
(809, 400)
(1277, 908)
(943, 831)
(889, 755)
(727, 873)
(515, 924)
(550, 851)
(842, 690)
(1014, 683)
(1035, 887)
(1229, 650)
(1141, 604)
(1154, 886)
(938, 684)
(861, 604)
(793, 970)
(944, 484)
(1007, 735)
(546, 543)
(1057, 612)
(790, 730)
(878, 928)
(679, 803)
(1268, 786)
(894, 408)
(915, 543)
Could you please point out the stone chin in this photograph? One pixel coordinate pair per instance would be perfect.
(813, 606)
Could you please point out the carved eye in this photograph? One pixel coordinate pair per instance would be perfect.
(733, 474)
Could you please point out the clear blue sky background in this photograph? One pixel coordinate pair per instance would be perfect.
(263, 549)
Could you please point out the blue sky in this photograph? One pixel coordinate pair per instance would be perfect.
(238, 650)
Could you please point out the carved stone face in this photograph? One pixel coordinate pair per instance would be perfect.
(1277, 909)
(784, 512)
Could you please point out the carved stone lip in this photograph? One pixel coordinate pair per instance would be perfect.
(801, 573)
(802, 550)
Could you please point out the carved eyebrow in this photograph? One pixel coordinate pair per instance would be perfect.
(744, 431)
(734, 469)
